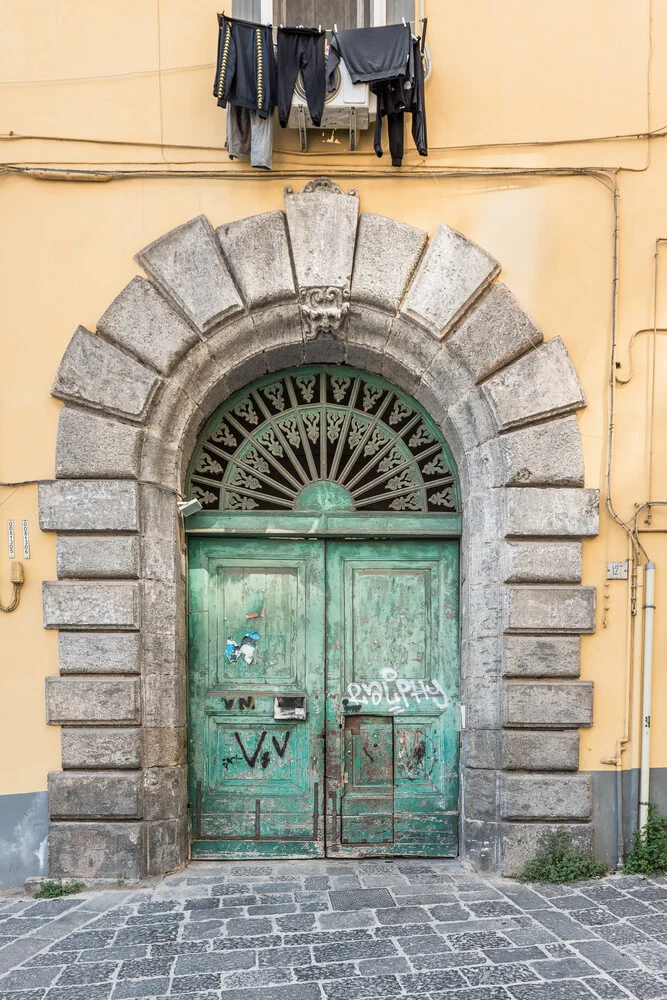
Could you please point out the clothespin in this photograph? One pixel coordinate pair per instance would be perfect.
(404, 24)
(319, 27)
(336, 29)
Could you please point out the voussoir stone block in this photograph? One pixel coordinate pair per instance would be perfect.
(520, 842)
(101, 795)
(542, 562)
(452, 274)
(561, 705)
(524, 750)
(496, 332)
(550, 609)
(98, 652)
(545, 796)
(90, 446)
(323, 253)
(187, 265)
(96, 850)
(96, 373)
(257, 253)
(88, 701)
(542, 656)
(97, 557)
(140, 320)
(542, 383)
(547, 454)
(100, 748)
(91, 605)
(89, 505)
(573, 513)
(386, 255)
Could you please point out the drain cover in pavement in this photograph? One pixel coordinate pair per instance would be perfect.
(360, 899)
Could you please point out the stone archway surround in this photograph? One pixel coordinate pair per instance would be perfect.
(317, 283)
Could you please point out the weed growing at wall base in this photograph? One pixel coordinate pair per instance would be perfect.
(649, 846)
(52, 890)
(560, 860)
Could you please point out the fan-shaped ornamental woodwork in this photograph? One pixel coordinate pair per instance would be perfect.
(323, 438)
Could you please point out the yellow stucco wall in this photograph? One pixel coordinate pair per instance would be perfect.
(503, 72)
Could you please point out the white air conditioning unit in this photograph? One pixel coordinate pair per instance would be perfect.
(349, 105)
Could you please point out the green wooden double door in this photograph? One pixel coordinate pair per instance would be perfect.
(323, 700)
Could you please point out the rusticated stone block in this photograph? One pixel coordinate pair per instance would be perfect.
(542, 562)
(542, 383)
(96, 850)
(550, 609)
(496, 333)
(160, 536)
(166, 845)
(187, 265)
(407, 354)
(523, 750)
(542, 656)
(102, 795)
(520, 842)
(163, 747)
(165, 792)
(90, 446)
(386, 254)
(77, 701)
(481, 794)
(545, 796)
(97, 557)
(565, 704)
(324, 253)
(140, 320)
(481, 748)
(544, 455)
(452, 274)
(91, 505)
(257, 253)
(568, 513)
(91, 605)
(100, 748)
(98, 652)
(96, 373)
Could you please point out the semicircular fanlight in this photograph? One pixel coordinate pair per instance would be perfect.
(368, 446)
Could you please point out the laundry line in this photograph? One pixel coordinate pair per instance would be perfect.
(270, 24)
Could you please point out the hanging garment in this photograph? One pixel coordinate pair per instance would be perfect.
(249, 135)
(370, 54)
(301, 49)
(246, 66)
(394, 98)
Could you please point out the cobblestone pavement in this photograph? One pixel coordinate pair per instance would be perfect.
(340, 931)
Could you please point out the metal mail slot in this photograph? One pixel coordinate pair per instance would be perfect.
(289, 706)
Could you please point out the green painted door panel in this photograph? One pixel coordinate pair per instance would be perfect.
(392, 688)
(256, 647)
(257, 633)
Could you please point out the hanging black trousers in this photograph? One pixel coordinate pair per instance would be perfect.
(301, 50)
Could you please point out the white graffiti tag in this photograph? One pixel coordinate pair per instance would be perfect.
(395, 693)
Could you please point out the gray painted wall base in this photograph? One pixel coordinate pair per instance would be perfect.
(604, 807)
(24, 821)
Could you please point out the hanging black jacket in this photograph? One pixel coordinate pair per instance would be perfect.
(370, 54)
(394, 98)
(245, 72)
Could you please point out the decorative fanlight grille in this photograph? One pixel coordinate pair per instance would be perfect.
(323, 438)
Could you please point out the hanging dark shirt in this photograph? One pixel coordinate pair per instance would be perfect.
(370, 54)
(394, 98)
(245, 72)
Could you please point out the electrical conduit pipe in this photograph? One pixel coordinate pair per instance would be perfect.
(645, 768)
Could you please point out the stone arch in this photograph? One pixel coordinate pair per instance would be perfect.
(318, 283)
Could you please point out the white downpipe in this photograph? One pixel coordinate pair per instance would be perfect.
(645, 770)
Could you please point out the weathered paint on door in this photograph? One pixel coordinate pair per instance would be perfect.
(257, 652)
(256, 626)
(392, 682)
